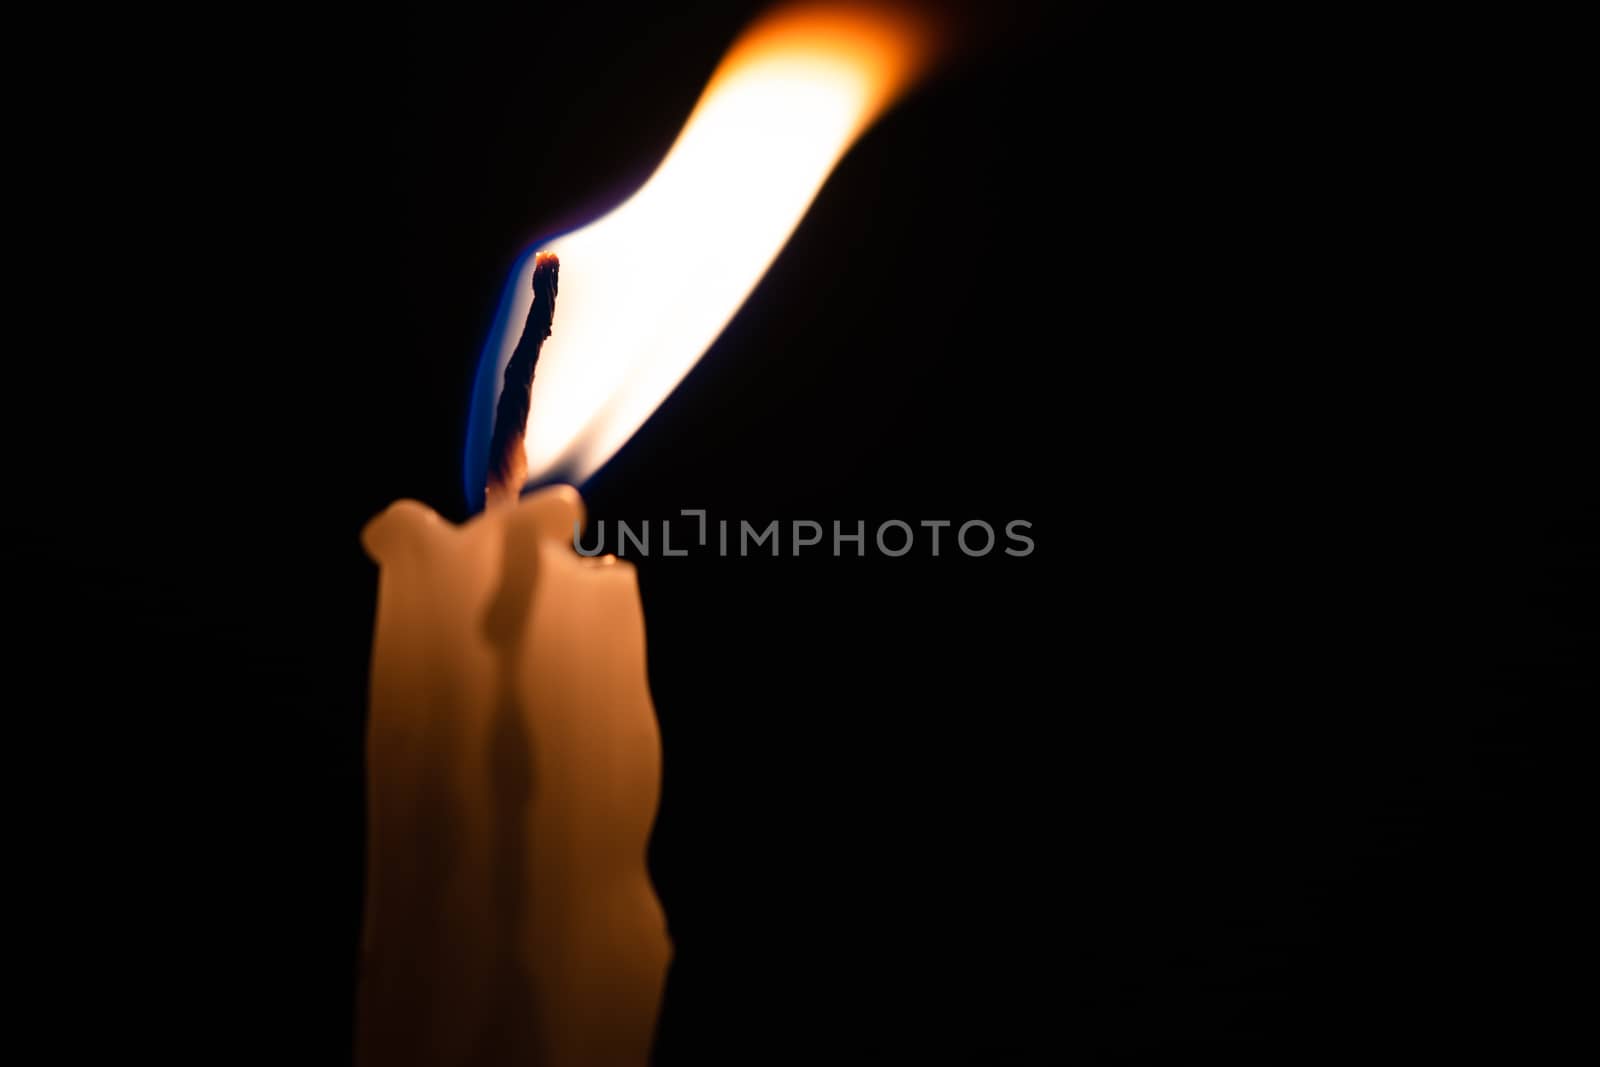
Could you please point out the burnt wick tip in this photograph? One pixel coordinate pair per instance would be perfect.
(546, 269)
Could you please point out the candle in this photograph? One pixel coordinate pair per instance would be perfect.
(513, 755)
(514, 768)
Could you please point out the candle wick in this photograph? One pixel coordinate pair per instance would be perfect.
(508, 461)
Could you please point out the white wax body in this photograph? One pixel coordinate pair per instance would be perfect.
(514, 767)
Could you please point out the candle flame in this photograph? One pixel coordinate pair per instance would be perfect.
(647, 288)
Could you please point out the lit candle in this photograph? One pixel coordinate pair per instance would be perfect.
(513, 755)
(514, 767)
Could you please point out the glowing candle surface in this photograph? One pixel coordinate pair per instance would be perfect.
(514, 767)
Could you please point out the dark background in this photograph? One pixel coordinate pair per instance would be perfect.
(1246, 763)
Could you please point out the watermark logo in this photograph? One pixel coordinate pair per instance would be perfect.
(892, 538)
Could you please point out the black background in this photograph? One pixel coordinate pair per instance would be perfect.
(1244, 763)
